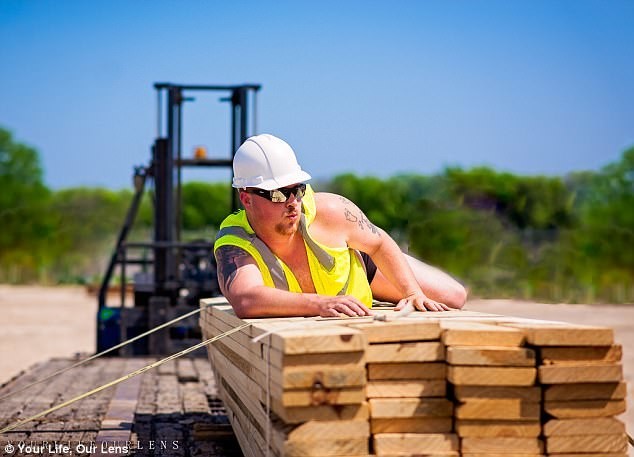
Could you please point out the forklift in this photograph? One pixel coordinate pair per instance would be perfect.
(170, 276)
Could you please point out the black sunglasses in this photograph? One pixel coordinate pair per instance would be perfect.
(279, 195)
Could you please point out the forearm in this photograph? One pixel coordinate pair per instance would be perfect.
(393, 264)
(263, 301)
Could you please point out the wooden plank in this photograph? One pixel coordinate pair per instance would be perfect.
(587, 443)
(586, 391)
(348, 438)
(601, 354)
(405, 352)
(567, 374)
(501, 445)
(530, 394)
(410, 407)
(323, 438)
(505, 408)
(325, 413)
(167, 367)
(477, 334)
(589, 426)
(491, 356)
(400, 330)
(186, 370)
(313, 395)
(407, 388)
(259, 353)
(491, 376)
(298, 335)
(116, 426)
(249, 430)
(397, 443)
(331, 376)
(194, 399)
(497, 428)
(591, 454)
(561, 334)
(407, 370)
(584, 408)
(318, 340)
(289, 414)
(312, 430)
(326, 447)
(333, 358)
(505, 454)
(411, 425)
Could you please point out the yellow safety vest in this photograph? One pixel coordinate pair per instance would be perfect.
(335, 271)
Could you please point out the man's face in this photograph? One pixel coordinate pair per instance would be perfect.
(284, 217)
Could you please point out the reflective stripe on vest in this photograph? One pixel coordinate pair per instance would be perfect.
(273, 263)
(275, 267)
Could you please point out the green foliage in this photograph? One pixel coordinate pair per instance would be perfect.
(205, 205)
(24, 211)
(548, 238)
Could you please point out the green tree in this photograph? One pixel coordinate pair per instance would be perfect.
(26, 227)
(205, 205)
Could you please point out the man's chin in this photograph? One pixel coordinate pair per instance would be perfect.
(287, 229)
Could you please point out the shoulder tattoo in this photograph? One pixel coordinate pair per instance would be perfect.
(229, 259)
(360, 219)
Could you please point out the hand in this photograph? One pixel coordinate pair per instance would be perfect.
(341, 304)
(422, 303)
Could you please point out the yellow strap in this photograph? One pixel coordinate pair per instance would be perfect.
(93, 357)
(124, 378)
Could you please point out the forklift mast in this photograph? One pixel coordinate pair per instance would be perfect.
(170, 275)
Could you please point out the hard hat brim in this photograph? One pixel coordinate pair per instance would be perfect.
(274, 183)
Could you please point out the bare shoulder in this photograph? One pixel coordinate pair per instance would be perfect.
(331, 205)
(229, 260)
(336, 211)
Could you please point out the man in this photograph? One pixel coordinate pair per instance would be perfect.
(293, 252)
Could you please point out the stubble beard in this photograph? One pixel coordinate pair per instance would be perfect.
(286, 229)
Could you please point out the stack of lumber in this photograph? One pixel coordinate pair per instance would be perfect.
(583, 388)
(310, 381)
(492, 380)
(407, 389)
(446, 384)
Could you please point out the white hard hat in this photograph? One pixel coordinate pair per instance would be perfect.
(266, 162)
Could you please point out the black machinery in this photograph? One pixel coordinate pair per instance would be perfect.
(170, 275)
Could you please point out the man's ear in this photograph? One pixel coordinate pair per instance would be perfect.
(245, 198)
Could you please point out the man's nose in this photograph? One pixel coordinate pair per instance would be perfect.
(292, 200)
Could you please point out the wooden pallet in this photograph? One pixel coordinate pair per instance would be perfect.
(175, 407)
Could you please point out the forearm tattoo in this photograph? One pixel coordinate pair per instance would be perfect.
(361, 220)
(229, 259)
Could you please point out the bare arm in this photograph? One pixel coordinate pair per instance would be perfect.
(241, 283)
(343, 215)
(435, 283)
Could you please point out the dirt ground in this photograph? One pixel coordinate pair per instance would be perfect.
(43, 322)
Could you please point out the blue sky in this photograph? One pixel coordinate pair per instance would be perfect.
(372, 87)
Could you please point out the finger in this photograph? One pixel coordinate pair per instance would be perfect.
(400, 304)
(359, 307)
(431, 305)
(329, 312)
(420, 306)
(354, 304)
(445, 307)
(345, 309)
(362, 310)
